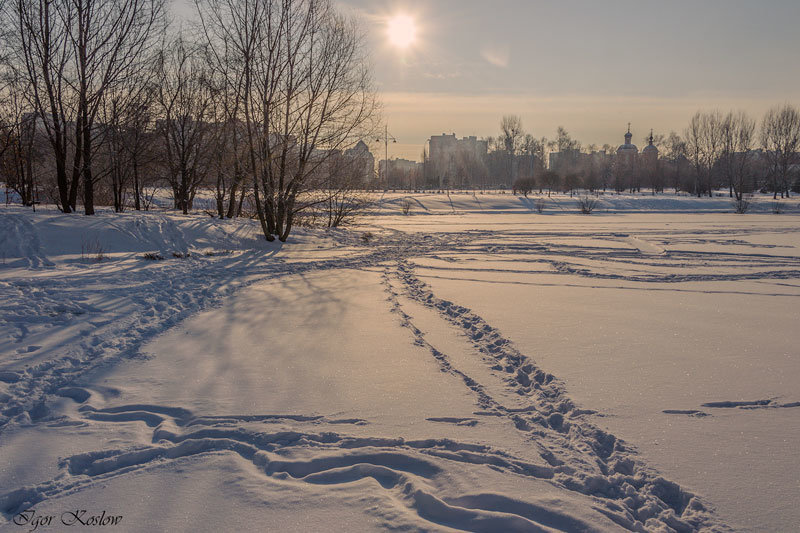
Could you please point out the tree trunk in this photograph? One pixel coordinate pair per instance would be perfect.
(63, 189)
(88, 184)
(241, 201)
(260, 212)
(136, 202)
(232, 199)
(76, 165)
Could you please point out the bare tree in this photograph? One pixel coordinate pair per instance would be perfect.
(139, 139)
(524, 186)
(713, 146)
(512, 133)
(704, 147)
(19, 148)
(342, 194)
(184, 99)
(305, 88)
(511, 137)
(551, 180)
(564, 141)
(737, 140)
(780, 138)
(534, 149)
(676, 151)
(39, 50)
(694, 148)
(227, 72)
(123, 140)
(110, 41)
(607, 166)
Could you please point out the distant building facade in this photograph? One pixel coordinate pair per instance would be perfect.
(401, 173)
(456, 163)
(362, 163)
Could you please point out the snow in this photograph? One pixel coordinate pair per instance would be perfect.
(475, 366)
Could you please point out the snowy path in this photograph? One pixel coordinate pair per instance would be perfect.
(404, 382)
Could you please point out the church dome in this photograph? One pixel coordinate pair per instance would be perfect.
(628, 146)
(650, 148)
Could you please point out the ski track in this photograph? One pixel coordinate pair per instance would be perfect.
(576, 454)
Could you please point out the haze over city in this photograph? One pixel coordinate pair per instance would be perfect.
(591, 67)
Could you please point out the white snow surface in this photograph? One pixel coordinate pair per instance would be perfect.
(475, 365)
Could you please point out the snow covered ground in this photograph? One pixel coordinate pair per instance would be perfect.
(483, 367)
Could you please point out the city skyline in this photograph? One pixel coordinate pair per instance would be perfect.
(589, 68)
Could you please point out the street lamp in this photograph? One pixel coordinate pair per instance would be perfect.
(386, 137)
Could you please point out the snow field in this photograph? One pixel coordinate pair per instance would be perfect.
(492, 369)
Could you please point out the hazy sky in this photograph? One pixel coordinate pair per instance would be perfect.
(591, 66)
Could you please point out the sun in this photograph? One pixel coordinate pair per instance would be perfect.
(401, 30)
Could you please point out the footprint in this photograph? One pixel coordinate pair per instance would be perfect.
(454, 420)
(688, 412)
(76, 393)
(28, 349)
(9, 377)
(731, 404)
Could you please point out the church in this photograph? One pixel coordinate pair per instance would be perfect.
(629, 153)
(631, 165)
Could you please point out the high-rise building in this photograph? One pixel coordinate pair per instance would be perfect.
(456, 162)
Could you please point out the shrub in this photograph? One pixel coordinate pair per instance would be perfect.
(91, 249)
(153, 256)
(181, 255)
(741, 205)
(523, 186)
(587, 204)
(540, 204)
(406, 206)
(366, 237)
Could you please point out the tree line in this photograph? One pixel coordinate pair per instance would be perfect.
(104, 100)
(715, 151)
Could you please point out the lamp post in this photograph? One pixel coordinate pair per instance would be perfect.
(386, 137)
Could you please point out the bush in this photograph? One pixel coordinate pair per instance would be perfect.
(741, 205)
(587, 204)
(366, 237)
(91, 249)
(181, 255)
(540, 204)
(406, 206)
(523, 186)
(153, 256)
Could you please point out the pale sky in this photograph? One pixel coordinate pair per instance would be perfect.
(591, 66)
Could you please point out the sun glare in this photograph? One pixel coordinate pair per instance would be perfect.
(402, 31)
